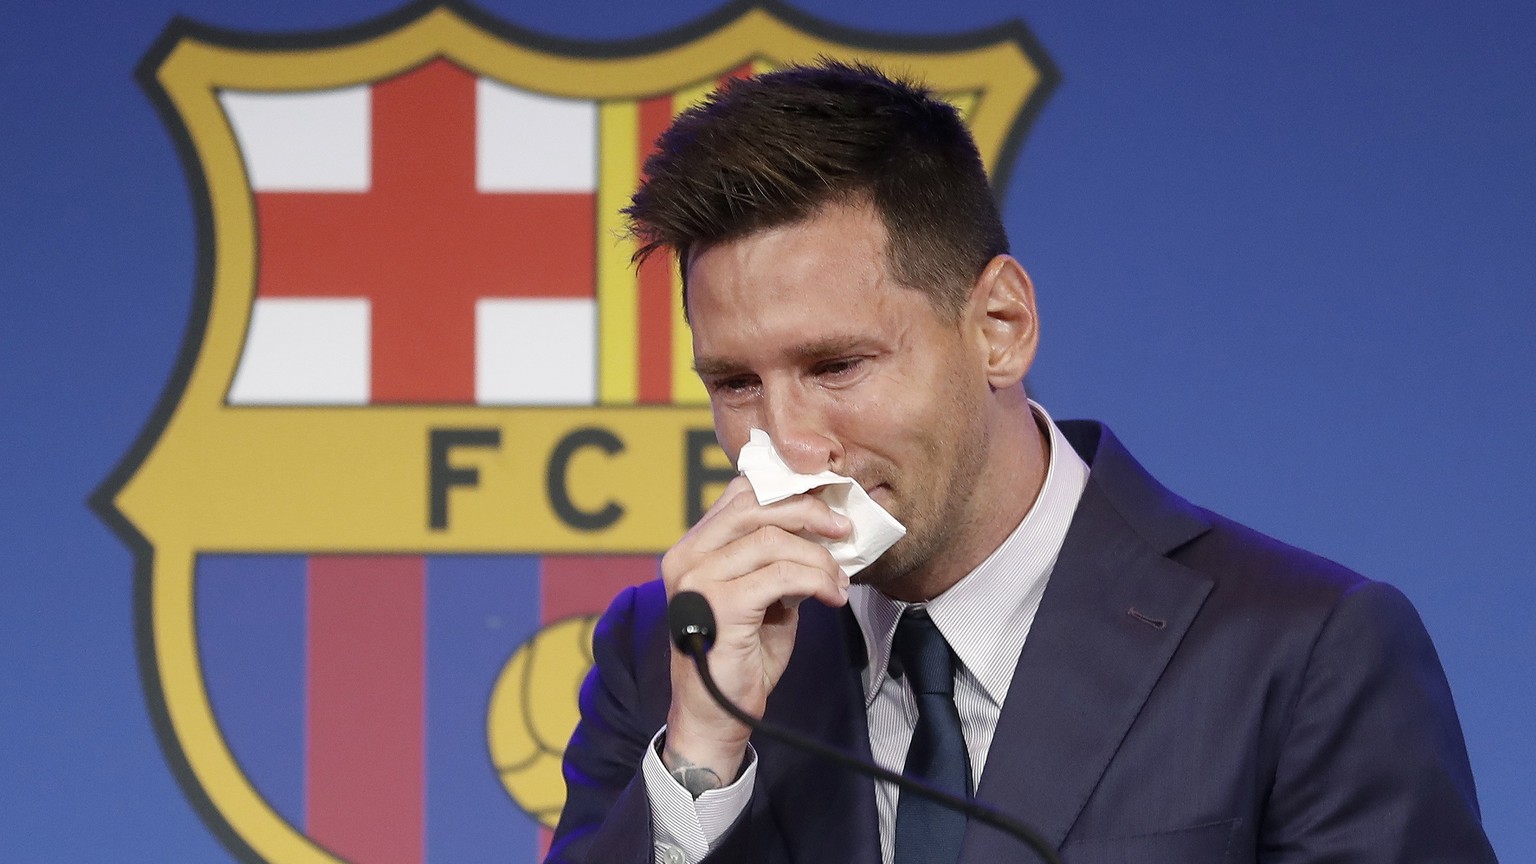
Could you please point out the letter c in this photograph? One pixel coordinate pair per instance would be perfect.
(555, 479)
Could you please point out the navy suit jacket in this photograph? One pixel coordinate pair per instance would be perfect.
(1191, 691)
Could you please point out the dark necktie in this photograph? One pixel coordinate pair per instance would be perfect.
(927, 833)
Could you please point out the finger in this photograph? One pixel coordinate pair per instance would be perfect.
(746, 601)
(767, 557)
(759, 549)
(730, 497)
(798, 514)
(807, 514)
(791, 529)
(738, 486)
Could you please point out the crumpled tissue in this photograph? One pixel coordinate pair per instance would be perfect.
(874, 530)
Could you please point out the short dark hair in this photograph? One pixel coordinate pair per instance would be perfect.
(771, 150)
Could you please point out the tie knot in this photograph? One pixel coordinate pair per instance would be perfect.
(924, 655)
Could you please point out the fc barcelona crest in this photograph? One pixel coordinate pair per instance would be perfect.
(427, 418)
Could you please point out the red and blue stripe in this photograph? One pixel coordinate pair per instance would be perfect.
(353, 690)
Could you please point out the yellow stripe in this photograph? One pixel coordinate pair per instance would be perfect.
(687, 389)
(618, 313)
(964, 102)
(687, 97)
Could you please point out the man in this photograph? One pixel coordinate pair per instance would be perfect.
(1139, 679)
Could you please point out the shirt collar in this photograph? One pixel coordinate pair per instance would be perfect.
(986, 616)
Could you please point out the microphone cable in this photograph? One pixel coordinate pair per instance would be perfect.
(691, 622)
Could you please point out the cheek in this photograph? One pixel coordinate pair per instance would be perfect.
(889, 441)
(868, 428)
(731, 431)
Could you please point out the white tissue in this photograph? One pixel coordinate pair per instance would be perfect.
(874, 530)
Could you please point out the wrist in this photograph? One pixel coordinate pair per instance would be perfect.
(700, 762)
(697, 779)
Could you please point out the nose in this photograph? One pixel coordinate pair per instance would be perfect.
(800, 433)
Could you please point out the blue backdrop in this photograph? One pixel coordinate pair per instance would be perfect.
(1285, 249)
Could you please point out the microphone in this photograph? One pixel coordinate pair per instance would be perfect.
(692, 625)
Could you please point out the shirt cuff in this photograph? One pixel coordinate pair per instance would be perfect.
(686, 828)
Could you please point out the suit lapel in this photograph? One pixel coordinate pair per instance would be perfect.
(1113, 613)
(825, 813)
(1086, 670)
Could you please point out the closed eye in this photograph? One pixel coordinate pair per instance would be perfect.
(732, 385)
(842, 367)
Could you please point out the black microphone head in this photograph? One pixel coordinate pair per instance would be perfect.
(691, 622)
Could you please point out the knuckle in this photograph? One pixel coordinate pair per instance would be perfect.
(769, 536)
(829, 564)
(743, 501)
(783, 571)
(671, 565)
(680, 565)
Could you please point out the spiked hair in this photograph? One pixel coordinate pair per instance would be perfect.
(772, 150)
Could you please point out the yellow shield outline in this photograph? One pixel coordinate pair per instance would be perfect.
(235, 461)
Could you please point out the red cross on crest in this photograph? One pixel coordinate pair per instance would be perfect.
(422, 244)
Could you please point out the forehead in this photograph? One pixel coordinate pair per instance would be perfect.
(840, 249)
(798, 290)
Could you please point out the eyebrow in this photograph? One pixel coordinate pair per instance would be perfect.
(821, 349)
(712, 366)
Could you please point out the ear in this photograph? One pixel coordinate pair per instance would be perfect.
(1002, 316)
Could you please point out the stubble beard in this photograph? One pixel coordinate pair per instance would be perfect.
(937, 518)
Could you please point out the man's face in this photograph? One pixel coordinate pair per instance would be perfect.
(802, 331)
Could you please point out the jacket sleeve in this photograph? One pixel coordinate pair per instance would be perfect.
(607, 815)
(624, 701)
(1373, 767)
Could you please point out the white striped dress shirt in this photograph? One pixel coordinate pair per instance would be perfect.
(985, 618)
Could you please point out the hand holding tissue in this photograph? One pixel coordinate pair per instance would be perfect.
(874, 530)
